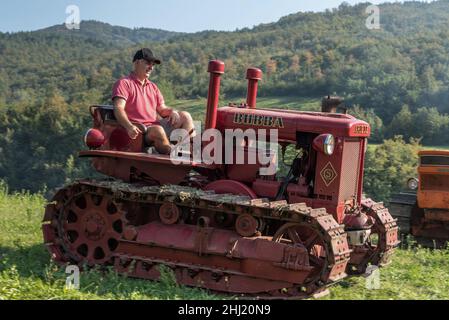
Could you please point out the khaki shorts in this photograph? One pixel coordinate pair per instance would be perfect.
(165, 124)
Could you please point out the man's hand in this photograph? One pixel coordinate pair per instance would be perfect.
(122, 118)
(174, 119)
(133, 132)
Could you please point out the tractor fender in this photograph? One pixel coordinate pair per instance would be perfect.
(232, 187)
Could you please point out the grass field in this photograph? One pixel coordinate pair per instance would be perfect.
(197, 107)
(372, 147)
(27, 273)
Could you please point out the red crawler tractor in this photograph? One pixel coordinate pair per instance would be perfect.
(225, 227)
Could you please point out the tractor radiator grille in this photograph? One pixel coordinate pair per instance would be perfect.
(434, 161)
(350, 170)
(434, 182)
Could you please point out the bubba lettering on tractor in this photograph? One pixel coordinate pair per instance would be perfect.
(189, 310)
(257, 120)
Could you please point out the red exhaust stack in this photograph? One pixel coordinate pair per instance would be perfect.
(253, 75)
(216, 69)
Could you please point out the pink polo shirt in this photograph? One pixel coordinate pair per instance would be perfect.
(142, 101)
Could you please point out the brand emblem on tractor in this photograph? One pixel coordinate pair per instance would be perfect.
(361, 129)
(328, 174)
(257, 120)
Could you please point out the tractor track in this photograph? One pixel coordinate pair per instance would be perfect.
(124, 198)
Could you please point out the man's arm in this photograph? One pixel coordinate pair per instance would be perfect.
(122, 118)
(164, 111)
(171, 114)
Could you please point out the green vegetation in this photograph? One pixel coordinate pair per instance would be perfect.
(197, 107)
(397, 78)
(27, 273)
(95, 31)
(437, 147)
(414, 274)
(388, 166)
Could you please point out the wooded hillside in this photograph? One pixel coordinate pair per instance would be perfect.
(397, 76)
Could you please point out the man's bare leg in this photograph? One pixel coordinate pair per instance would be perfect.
(157, 136)
(187, 123)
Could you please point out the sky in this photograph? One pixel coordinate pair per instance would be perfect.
(171, 15)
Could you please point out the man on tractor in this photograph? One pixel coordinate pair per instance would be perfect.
(140, 107)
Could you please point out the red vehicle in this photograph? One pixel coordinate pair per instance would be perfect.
(225, 227)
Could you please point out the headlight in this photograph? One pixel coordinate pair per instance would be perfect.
(324, 143)
(412, 183)
(329, 145)
(94, 139)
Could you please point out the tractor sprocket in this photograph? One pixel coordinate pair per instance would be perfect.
(304, 235)
(85, 228)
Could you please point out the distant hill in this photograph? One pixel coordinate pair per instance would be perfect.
(112, 35)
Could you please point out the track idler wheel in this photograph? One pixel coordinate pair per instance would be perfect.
(381, 243)
(246, 225)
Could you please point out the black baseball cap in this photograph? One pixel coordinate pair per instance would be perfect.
(147, 55)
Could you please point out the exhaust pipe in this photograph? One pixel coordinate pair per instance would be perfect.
(330, 104)
(216, 69)
(253, 75)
